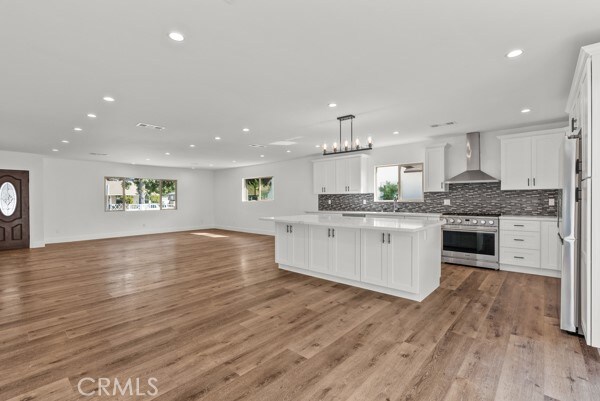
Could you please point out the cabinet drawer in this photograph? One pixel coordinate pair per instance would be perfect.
(519, 225)
(520, 239)
(520, 257)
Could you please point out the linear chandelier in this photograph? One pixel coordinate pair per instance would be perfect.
(353, 146)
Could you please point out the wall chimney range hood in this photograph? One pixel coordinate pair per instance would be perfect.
(473, 175)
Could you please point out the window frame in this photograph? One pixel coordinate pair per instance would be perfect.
(399, 167)
(245, 192)
(160, 186)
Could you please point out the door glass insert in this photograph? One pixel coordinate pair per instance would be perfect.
(8, 199)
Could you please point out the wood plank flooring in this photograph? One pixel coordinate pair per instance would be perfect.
(212, 318)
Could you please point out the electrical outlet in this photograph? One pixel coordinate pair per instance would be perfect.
(364, 201)
(329, 202)
(551, 202)
(446, 202)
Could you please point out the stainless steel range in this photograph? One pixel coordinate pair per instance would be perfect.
(471, 240)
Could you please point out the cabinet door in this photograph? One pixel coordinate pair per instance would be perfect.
(550, 247)
(401, 265)
(297, 246)
(345, 253)
(341, 176)
(330, 176)
(545, 161)
(319, 177)
(585, 122)
(318, 240)
(434, 170)
(281, 244)
(516, 163)
(374, 257)
(356, 174)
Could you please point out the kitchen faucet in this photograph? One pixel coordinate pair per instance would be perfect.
(395, 209)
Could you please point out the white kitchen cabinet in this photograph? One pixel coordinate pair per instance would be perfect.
(530, 245)
(291, 246)
(324, 177)
(435, 168)
(550, 246)
(340, 174)
(387, 260)
(531, 160)
(335, 251)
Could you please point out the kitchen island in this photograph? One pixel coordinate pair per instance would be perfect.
(393, 256)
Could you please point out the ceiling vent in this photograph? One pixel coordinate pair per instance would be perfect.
(98, 154)
(256, 145)
(443, 124)
(144, 125)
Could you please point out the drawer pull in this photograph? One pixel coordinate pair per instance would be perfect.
(518, 225)
(519, 240)
(329, 232)
(518, 257)
(383, 238)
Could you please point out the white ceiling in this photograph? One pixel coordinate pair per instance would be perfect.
(273, 66)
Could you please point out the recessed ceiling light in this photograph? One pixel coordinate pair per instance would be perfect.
(64, 141)
(395, 132)
(524, 111)
(176, 36)
(246, 129)
(77, 129)
(192, 146)
(90, 115)
(55, 150)
(317, 146)
(210, 165)
(147, 160)
(217, 138)
(288, 151)
(332, 105)
(233, 161)
(514, 53)
(167, 153)
(132, 162)
(262, 155)
(108, 99)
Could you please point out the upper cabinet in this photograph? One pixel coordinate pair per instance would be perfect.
(435, 168)
(340, 175)
(531, 160)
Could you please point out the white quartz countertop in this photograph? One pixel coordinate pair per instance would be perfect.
(529, 218)
(335, 220)
(375, 213)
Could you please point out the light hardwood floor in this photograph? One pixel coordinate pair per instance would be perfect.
(214, 319)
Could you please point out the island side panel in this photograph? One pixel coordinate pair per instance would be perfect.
(430, 260)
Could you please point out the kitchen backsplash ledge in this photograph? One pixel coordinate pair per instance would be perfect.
(464, 198)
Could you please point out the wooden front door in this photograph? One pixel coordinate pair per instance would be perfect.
(14, 209)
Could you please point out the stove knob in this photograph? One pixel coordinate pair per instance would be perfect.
(482, 222)
(451, 220)
(491, 222)
(458, 221)
(474, 221)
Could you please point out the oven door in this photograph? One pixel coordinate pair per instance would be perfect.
(466, 243)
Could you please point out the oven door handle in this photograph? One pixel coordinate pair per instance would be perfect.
(471, 230)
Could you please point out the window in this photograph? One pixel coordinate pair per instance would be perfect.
(258, 189)
(403, 182)
(139, 194)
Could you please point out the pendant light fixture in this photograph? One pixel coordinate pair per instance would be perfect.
(352, 146)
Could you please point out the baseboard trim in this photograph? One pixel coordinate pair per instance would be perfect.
(245, 230)
(530, 270)
(88, 237)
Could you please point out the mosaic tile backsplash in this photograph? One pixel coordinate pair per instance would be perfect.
(464, 198)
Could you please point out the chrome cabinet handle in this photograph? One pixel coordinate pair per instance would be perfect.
(291, 229)
(287, 228)
(383, 238)
(518, 225)
(528, 182)
(518, 257)
(442, 185)
(333, 233)
(534, 181)
(389, 239)
(519, 240)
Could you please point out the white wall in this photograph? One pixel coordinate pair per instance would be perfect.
(34, 164)
(74, 208)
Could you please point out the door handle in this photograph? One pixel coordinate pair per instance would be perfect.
(383, 238)
(389, 239)
(562, 240)
(329, 232)
(573, 124)
(287, 228)
(333, 233)
(528, 182)
(291, 229)
(442, 185)
(534, 181)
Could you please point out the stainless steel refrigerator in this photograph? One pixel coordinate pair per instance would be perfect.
(569, 215)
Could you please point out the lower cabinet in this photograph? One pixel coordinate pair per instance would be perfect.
(387, 260)
(335, 251)
(291, 245)
(530, 244)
